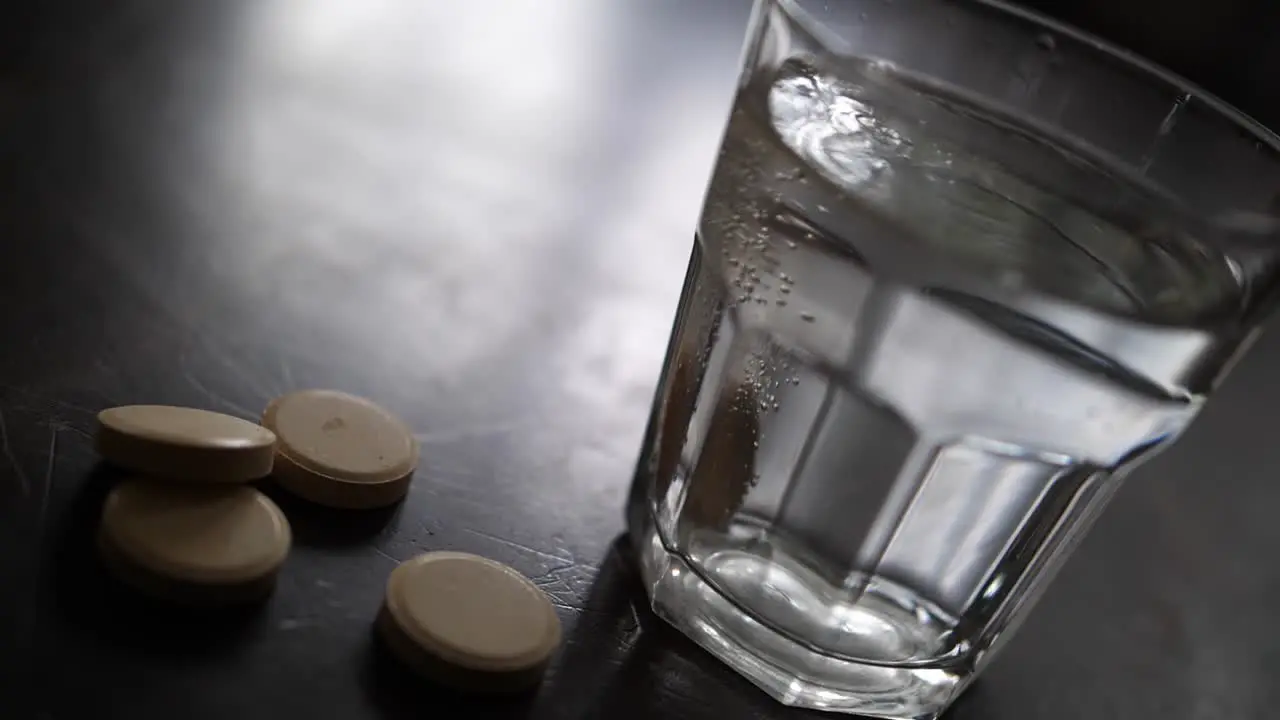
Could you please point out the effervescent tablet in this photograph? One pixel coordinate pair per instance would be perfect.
(202, 544)
(340, 450)
(185, 444)
(468, 622)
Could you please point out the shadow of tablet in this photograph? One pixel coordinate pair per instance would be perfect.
(318, 526)
(396, 692)
(90, 599)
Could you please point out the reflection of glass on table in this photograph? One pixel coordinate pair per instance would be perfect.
(958, 270)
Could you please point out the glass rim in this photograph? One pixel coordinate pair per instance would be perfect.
(1226, 110)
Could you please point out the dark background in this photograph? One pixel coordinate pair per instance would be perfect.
(478, 214)
(1227, 47)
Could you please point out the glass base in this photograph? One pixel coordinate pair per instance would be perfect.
(791, 672)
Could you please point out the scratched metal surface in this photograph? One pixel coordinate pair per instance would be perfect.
(480, 219)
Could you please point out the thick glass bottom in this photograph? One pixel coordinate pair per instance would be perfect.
(794, 673)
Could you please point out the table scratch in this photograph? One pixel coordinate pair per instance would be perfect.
(48, 477)
(215, 398)
(243, 376)
(39, 397)
(13, 461)
(473, 432)
(566, 558)
(286, 374)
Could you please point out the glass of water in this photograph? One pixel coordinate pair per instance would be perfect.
(959, 269)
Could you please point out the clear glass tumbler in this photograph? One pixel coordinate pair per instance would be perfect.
(959, 269)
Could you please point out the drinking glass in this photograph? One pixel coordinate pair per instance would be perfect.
(959, 269)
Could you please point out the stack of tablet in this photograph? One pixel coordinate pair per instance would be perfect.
(188, 526)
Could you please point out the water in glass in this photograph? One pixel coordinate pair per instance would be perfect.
(903, 373)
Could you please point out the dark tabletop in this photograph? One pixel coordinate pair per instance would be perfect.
(478, 214)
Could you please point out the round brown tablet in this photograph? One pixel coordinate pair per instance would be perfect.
(185, 443)
(202, 544)
(469, 622)
(341, 450)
